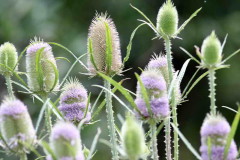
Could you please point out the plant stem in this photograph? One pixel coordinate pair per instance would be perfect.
(23, 156)
(110, 117)
(48, 119)
(212, 90)
(173, 98)
(168, 138)
(9, 86)
(154, 141)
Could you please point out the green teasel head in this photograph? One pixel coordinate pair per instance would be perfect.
(104, 46)
(211, 51)
(133, 138)
(8, 59)
(167, 19)
(41, 67)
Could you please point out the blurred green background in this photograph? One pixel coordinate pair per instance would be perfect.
(67, 21)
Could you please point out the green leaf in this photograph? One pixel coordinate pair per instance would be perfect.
(40, 116)
(56, 77)
(209, 143)
(63, 58)
(88, 103)
(189, 54)
(91, 53)
(39, 71)
(108, 59)
(231, 55)
(94, 144)
(20, 57)
(232, 133)
(183, 70)
(144, 94)
(48, 149)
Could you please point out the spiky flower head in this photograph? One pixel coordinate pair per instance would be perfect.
(133, 138)
(41, 67)
(215, 129)
(104, 46)
(74, 101)
(160, 63)
(65, 142)
(156, 88)
(167, 19)
(8, 58)
(16, 125)
(211, 50)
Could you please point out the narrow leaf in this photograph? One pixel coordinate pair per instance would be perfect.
(108, 59)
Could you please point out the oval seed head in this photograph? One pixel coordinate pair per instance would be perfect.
(104, 46)
(157, 92)
(211, 50)
(160, 63)
(65, 142)
(133, 138)
(42, 81)
(8, 57)
(167, 19)
(215, 129)
(16, 125)
(74, 101)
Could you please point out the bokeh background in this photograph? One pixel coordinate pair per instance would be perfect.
(67, 21)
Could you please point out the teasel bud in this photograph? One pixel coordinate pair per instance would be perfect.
(160, 63)
(104, 46)
(74, 102)
(65, 142)
(16, 126)
(41, 67)
(211, 51)
(9, 58)
(167, 19)
(156, 88)
(215, 129)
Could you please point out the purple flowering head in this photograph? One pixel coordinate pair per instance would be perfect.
(47, 64)
(16, 125)
(74, 101)
(65, 141)
(216, 129)
(157, 92)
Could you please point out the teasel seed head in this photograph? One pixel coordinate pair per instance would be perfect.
(215, 129)
(65, 141)
(16, 126)
(8, 58)
(167, 19)
(156, 88)
(74, 102)
(211, 50)
(104, 46)
(46, 81)
(133, 138)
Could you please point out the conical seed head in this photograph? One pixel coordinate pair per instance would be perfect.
(74, 101)
(16, 125)
(133, 138)
(8, 57)
(97, 36)
(47, 63)
(167, 19)
(65, 141)
(211, 50)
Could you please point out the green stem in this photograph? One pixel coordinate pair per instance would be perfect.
(168, 138)
(9, 86)
(110, 117)
(48, 119)
(23, 156)
(154, 141)
(212, 90)
(173, 98)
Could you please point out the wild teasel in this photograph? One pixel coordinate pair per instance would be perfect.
(214, 133)
(74, 102)
(65, 142)
(156, 89)
(16, 126)
(41, 67)
(104, 46)
(8, 59)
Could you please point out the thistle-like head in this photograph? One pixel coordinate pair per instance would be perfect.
(65, 141)
(74, 101)
(41, 67)
(211, 51)
(104, 46)
(133, 138)
(8, 58)
(167, 19)
(16, 125)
